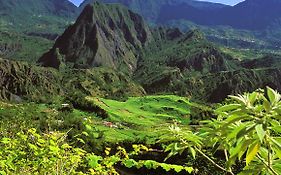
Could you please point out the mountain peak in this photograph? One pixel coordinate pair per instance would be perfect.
(103, 35)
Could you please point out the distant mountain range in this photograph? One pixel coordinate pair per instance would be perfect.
(161, 60)
(252, 24)
(153, 10)
(250, 14)
(260, 18)
(36, 16)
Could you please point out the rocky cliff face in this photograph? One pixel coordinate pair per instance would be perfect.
(21, 81)
(103, 35)
(177, 57)
(161, 60)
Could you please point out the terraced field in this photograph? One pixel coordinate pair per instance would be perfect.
(137, 120)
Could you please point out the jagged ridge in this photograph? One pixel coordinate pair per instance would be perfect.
(103, 35)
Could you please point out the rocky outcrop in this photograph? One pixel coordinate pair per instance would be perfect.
(21, 81)
(179, 57)
(103, 35)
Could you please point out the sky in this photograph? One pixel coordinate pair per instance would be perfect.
(76, 2)
(229, 2)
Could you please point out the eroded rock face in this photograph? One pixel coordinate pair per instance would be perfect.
(103, 35)
(19, 81)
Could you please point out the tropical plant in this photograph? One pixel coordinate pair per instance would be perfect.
(32, 153)
(247, 130)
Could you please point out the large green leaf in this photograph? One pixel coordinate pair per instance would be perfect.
(93, 160)
(277, 129)
(245, 131)
(277, 167)
(240, 99)
(272, 95)
(253, 97)
(151, 164)
(276, 141)
(232, 119)
(235, 131)
(252, 152)
(193, 152)
(260, 131)
(241, 148)
(227, 108)
(277, 150)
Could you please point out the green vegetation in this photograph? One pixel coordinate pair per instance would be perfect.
(246, 130)
(88, 134)
(15, 46)
(28, 28)
(125, 98)
(141, 119)
(242, 137)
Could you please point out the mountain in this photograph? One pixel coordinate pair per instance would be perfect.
(35, 16)
(151, 10)
(62, 8)
(112, 36)
(21, 81)
(258, 20)
(111, 52)
(103, 35)
(28, 27)
(162, 60)
(249, 14)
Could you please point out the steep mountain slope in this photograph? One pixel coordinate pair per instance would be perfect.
(17, 46)
(162, 60)
(165, 66)
(21, 81)
(151, 10)
(28, 27)
(249, 14)
(258, 20)
(36, 15)
(103, 35)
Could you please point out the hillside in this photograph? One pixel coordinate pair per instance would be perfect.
(151, 10)
(258, 20)
(28, 28)
(162, 60)
(103, 35)
(36, 16)
(137, 89)
(25, 82)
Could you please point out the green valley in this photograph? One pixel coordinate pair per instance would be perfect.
(130, 87)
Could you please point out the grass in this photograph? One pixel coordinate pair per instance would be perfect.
(137, 120)
(141, 119)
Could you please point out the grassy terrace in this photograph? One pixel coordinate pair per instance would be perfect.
(137, 120)
(140, 119)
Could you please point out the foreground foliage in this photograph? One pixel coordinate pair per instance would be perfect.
(243, 138)
(247, 130)
(32, 153)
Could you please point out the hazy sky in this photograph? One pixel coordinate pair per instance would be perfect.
(229, 2)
